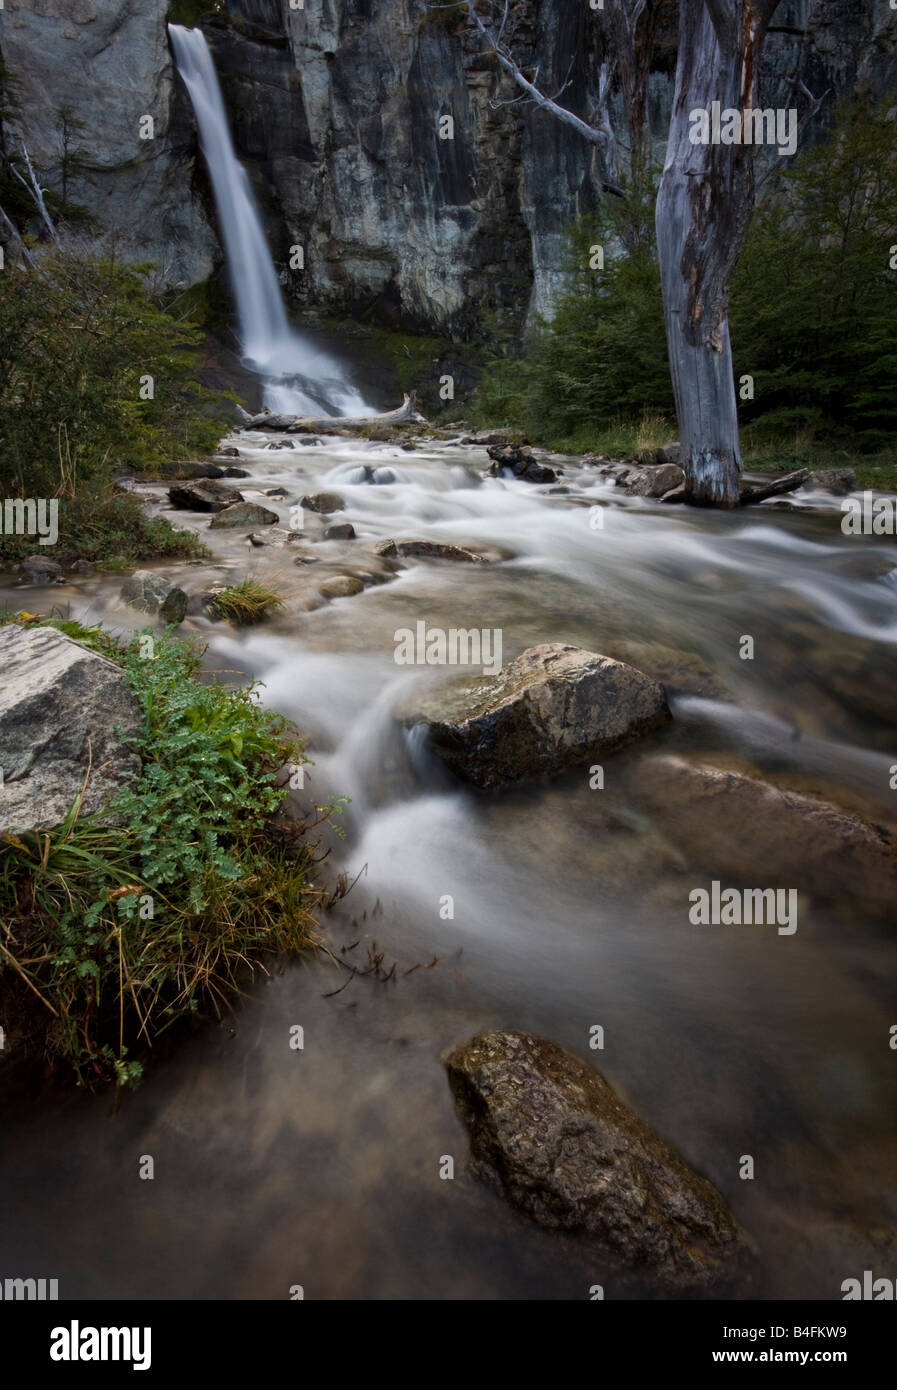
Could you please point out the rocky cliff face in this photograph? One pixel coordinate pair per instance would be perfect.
(336, 111)
(107, 63)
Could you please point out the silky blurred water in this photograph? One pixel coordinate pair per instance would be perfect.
(320, 1167)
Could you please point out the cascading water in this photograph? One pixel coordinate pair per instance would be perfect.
(298, 377)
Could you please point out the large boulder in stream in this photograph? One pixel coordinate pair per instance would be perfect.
(206, 495)
(557, 1141)
(63, 711)
(553, 708)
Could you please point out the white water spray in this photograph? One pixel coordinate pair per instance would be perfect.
(298, 377)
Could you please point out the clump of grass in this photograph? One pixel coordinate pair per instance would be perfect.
(245, 603)
(113, 929)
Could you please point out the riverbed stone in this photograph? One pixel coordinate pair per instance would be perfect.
(206, 495)
(553, 708)
(37, 569)
(243, 514)
(340, 586)
(655, 482)
(154, 594)
(436, 550)
(556, 1140)
(323, 502)
(741, 825)
(61, 709)
(518, 461)
(840, 481)
(342, 531)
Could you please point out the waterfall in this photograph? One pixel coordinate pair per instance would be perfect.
(297, 375)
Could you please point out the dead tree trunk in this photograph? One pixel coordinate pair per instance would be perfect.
(704, 205)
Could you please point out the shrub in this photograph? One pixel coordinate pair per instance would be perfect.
(113, 932)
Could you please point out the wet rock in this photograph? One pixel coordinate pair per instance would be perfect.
(281, 444)
(676, 494)
(388, 549)
(242, 514)
(340, 586)
(684, 672)
(556, 1140)
(654, 482)
(229, 452)
(309, 442)
(154, 594)
(39, 570)
(655, 458)
(840, 481)
(237, 473)
(741, 826)
(519, 461)
(202, 603)
(193, 468)
(60, 708)
(342, 531)
(276, 492)
(553, 708)
(323, 502)
(434, 550)
(82, 567)
(204, 496)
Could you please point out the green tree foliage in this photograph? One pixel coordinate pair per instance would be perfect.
(814, 300)
(602, 357)
(80, 336)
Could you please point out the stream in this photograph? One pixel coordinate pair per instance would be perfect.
(320, 1167)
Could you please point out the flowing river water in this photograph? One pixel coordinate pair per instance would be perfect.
(320, 1167)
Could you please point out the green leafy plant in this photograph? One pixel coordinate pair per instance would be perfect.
(111, 930)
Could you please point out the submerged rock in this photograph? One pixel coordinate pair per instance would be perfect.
(323, 502)
(241, 514)
(553, 708)
(434, 550)
(739, 825)
(557, 1141)
(61, 706)
(340, 586)
(154, 594)
(205, 496)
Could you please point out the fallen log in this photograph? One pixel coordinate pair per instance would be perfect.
(787, 483)
(308, 424)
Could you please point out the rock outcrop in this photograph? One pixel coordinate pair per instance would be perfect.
(557, 1141)
(337, 121)
(61, 709)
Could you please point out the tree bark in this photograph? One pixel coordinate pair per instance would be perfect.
(704, 205)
